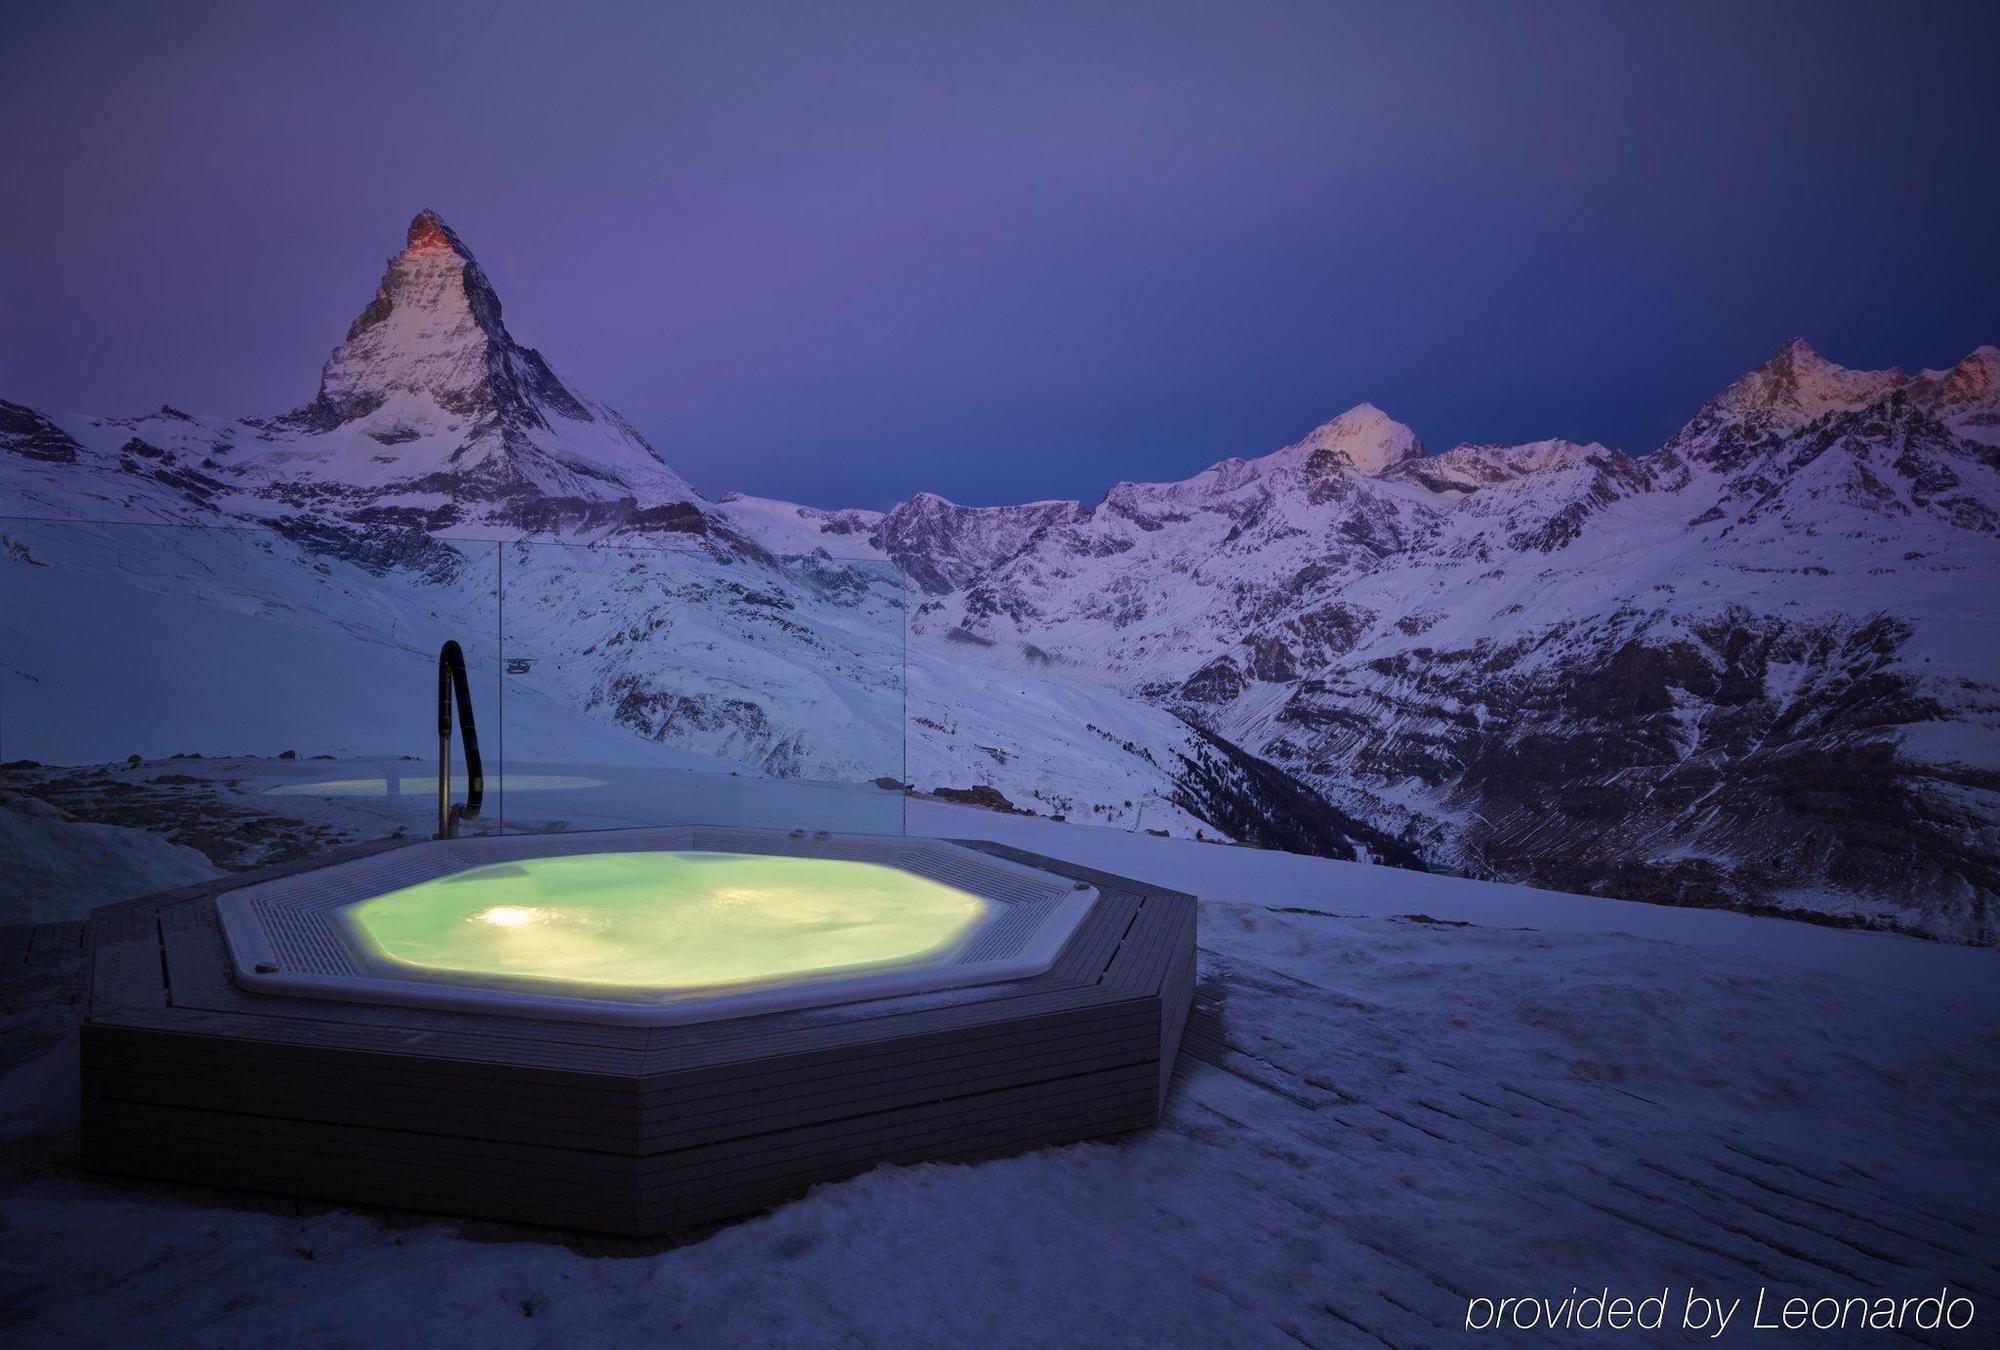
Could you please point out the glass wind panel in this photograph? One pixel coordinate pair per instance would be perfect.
(658, 685)
(255, 695)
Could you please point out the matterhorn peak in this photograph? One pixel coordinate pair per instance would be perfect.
(430, 387)
(434, 331)
(429, 234)
(1364, 439)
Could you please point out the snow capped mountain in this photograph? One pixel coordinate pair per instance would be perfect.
(1470, 468)
(1798, 385)
(1968, 396)
(431, 397)
(1755, 667)
(941, 546)
(1364, 439)
(429, 416)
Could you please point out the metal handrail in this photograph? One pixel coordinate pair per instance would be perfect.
(451, 679)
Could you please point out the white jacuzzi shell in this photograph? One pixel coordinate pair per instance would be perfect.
(285, 936)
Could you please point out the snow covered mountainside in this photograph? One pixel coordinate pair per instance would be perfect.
(1755, 667)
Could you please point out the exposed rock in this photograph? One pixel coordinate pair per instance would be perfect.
(980, 795)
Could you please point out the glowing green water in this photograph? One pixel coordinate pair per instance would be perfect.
(668, 921)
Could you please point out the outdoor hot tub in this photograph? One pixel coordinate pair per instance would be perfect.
(629, 1031)
(651, 927)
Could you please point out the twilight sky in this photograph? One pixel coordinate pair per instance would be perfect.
(838, 253)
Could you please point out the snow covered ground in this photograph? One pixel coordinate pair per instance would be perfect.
(1402, 1091)
(58, 867)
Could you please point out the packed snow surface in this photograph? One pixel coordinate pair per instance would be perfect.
(1412, 1091)
(60, 869)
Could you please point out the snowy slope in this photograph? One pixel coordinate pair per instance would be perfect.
(54, 863)
(784, 528)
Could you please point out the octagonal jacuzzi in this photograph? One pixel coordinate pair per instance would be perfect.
(629, 1031)
(651, 927)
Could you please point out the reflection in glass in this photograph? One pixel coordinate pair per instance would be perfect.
(263, 694)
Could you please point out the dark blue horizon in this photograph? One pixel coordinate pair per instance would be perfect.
(1018, 252)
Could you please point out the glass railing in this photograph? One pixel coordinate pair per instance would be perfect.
(264, 694)
(654, 685)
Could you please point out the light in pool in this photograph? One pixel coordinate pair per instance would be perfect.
(667, 921)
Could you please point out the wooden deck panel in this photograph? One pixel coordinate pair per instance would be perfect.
(583, 1189)
(300, 1029)
(904, 1144)
(1177, 1002)
(143, 1125)
(352, 1070)
(655, 1097)
(122, 923)
(348, 1170)
(1096, 941)
(1133, 966)
(856, 1061)
(165, 1085)
(1096, 1062)
(49, 944)
(691, 1172)
(124, 980)
(1161, 958)
(126, 1072)
(118, 1123)
(15, 939)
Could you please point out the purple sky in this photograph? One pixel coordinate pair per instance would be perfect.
(839, 253)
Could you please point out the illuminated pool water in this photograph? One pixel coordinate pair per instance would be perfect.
(653, 927)
(668, 920)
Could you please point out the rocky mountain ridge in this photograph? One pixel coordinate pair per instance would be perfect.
(1757, 664)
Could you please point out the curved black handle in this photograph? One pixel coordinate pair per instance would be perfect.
(451, 680)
